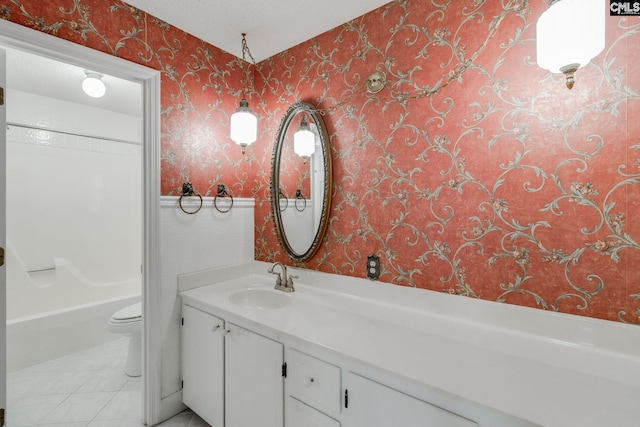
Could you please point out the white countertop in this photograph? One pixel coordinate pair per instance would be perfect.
(535, 371)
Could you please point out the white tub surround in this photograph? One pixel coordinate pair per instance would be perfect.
(472, 357)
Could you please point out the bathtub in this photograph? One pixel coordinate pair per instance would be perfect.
(36, 339)
(59, 310)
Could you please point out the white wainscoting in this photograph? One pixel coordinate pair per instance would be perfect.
(206, 240)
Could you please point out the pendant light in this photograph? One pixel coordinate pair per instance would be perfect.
(244, 123)
(569, 34)
(304, 141)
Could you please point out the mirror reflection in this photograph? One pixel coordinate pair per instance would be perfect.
(301, 181)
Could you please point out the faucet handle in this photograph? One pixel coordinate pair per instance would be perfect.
(278, 279)
(290, 281)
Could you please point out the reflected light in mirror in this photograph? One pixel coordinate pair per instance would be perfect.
(304, 141)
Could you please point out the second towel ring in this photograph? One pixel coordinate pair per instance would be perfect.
(222, 192)
(299, 196)
(189, 191)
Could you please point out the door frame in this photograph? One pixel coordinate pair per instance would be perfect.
(19, 37)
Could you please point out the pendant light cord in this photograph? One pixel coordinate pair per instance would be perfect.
(245, 73)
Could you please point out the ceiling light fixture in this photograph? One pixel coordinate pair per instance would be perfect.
(93, 85)
(304, 141)
(244, 123)
(570, 33)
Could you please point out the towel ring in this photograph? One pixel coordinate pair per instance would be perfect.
(299, 196)
(188, 191)
(281, 196)
(222, 192)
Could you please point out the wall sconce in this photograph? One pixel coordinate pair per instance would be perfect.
(244, 123)
(569, 34)
(93, 85)
(304, 141)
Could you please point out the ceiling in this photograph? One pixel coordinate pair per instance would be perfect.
(46, 77)
(272, 26)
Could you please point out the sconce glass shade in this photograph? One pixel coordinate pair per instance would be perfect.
(244, 126)
(569, 34)
(304, 141)
(93, 86)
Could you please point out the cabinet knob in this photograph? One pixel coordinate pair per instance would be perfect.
(215, 328)
(310, 381)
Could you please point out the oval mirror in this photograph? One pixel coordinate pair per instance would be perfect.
(301, 181)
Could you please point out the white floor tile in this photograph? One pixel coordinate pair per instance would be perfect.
(116, 423)
(80, 424)
(80, 407)
(33, 409)
(85, 389)
(105, 380)
(125, 405)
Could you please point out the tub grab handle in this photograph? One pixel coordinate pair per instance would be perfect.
(42, 269)
(189, 191)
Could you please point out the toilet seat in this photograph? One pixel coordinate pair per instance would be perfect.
(130, 314)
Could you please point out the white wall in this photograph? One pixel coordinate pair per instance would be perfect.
(204, 241)
(72, 201)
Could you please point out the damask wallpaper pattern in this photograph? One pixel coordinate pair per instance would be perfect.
(503, 186)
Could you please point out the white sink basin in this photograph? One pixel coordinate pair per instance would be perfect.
(260, 298)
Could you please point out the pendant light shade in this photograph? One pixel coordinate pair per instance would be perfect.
(569, 34)
(304, 141)
(244, 126)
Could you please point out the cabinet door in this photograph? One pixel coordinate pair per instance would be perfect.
(372, 404)
(203, 364)
(254, 384)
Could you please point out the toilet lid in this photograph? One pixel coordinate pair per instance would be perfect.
(129, 313)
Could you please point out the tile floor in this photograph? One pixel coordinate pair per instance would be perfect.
(85, 389)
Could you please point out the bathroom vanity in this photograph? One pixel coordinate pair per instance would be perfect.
(360, 353)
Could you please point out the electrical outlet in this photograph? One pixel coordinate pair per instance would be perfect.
(373, 267)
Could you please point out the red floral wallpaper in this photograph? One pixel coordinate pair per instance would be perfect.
(503, 186)
(200, 84)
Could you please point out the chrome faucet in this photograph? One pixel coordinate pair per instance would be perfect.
(284, 282)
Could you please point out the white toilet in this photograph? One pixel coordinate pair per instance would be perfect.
(128, 321)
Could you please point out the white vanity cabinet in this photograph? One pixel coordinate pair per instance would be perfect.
(203, 364)
(281, 367)
(372, 404)
(254, 379)
(232, 377)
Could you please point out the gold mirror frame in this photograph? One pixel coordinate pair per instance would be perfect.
(292, 112)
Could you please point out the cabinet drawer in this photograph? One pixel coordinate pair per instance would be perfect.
(301, 414)
(314, 381)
